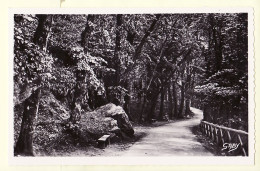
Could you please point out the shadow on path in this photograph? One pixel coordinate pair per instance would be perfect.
(173, 139)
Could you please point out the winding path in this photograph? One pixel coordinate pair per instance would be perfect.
(173, 139)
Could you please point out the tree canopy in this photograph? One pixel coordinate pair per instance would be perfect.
(153, 65)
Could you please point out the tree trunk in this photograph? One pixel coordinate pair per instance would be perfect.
(77, 96)
(149, 31)
(117, 48)
(180, 115)
(160, 117)
(175, 101)
(205, 112)
(138, 50)
(41, 34)
(187, 107)
(171, 102)
(129, 88)
(79, 91)
(143, 108)
(86, 33)
(150, 115)
(24, 145)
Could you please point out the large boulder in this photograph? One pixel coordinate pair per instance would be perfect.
(107, 119)
(117, 113)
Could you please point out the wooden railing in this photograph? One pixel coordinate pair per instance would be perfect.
(227, 138)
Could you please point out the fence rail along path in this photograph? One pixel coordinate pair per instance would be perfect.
(235, 141)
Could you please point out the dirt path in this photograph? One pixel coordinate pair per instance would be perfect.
(173, 139)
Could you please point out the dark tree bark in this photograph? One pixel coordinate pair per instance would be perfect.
(154, 99)
(24, 145)
(86, 33)
(170, 94)
(75, 107)
(186, 57)
(143, 108)
(160, 117)
(147, 34)
(137, 54)
(206, 112)
(188, 90)
(128, 103)
(218, 48)
(187, 107)
(43, 29)
(138, 49)
(117, 47)
(150, 82)
(39, 35)
(175, 101)
(181, 108)
(216, 44)
(79, 92)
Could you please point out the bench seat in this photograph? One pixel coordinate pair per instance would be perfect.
(104, 141)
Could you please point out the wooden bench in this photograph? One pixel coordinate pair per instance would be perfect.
(104, 141)
(153, 120)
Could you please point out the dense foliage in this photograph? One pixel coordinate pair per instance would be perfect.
(153, 65)
(224, 87)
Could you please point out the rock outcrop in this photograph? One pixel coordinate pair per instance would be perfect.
(107, 119)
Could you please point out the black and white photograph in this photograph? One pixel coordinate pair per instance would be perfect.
(158, 84)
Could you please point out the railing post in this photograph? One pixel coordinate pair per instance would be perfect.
(212, 133)
(229, 137)
(206, 130)
(201, 127)
(216, 133)
(242, 145)
(221, 136)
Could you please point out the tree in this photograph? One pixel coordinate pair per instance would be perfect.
(222, 84)
(33, 82)
(47, 61)
(154, 65)
(118, 48)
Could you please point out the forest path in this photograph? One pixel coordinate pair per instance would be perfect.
(173, 139)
